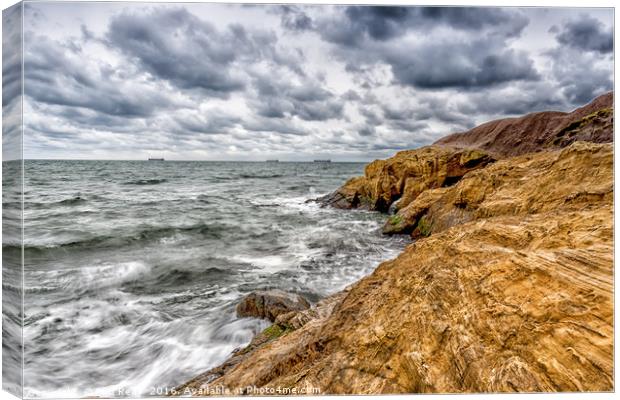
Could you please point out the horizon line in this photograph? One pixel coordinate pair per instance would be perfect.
(321, 161)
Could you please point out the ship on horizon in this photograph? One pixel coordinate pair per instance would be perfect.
(323, 161)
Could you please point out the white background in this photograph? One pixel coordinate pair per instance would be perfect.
(529, 3)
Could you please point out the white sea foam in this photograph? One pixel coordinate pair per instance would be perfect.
(104, 275)
(269, 263)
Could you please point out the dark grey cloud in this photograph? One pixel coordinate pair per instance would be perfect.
(11, 54)
(523, 100)
(508, 21)
(386, 115)
(177, 46)
(382, 23)
(473, 50)
(351, 95)
(294, 18)
(410, 126)
(214, 123)
(87, 118)
(395, 114)
(11, 83)
(438, 108)
(55, 75)
(367, 131)
(588, 34)
(586, 86)
(463, 64)
(278, 98)
(579, 75)
(371, 114)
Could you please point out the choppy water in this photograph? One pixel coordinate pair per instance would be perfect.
(133, 269)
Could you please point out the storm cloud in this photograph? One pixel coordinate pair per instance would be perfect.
(174, 45)
(460, 65)
(11, 83)
(358, 23)
(587, 33)
(298, 82)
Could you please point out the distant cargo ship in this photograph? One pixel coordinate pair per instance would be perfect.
(156, 159)
(323, 161)
(272, 161)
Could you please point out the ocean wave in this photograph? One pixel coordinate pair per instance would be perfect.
(114, 240)
(146, 182)
(258, 176)
(16, 206)
(72, 201)
(211, 198)
(109, 274)
(178, 276)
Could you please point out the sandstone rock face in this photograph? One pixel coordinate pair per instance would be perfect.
(350, 195)
(527, 184)
(407, 218)
(547, 130)
(404, 176)
(270, 304)
(511, 291)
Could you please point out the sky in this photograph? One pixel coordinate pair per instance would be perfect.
(255, 82)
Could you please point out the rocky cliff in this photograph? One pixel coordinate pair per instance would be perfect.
(540, 131)
(508, 286)
(396, 181)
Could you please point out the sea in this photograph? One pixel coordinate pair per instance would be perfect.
(133, 269)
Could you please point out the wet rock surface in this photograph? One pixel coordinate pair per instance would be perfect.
(270, 304)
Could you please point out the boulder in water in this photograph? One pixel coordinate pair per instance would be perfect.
(270, 303)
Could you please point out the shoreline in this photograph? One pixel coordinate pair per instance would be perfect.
(513, 262)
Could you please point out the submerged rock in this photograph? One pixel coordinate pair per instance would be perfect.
(269, 304)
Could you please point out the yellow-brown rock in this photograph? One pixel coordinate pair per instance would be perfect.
(527, 184)
(512, 291)
(406, 175)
